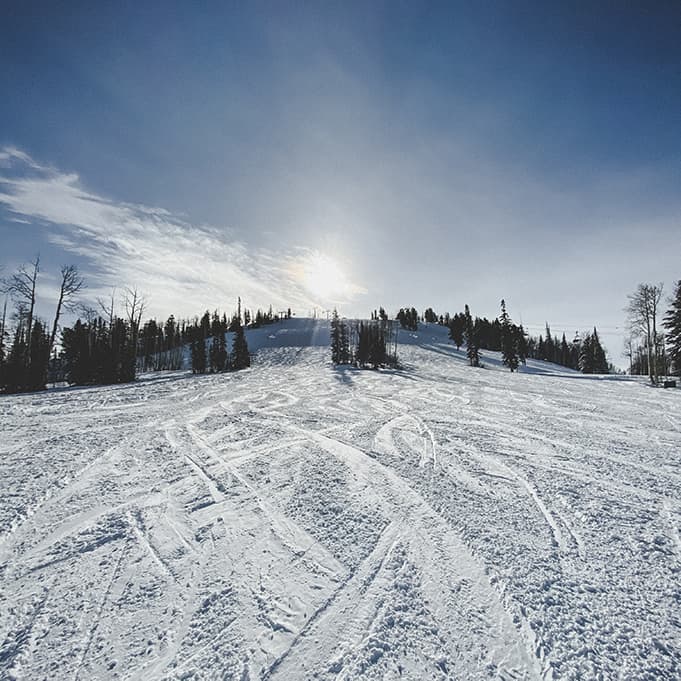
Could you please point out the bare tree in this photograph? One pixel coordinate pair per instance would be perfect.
(21, 287)
(71, 284)
(135, 304)
(88, 312)
(642, 311)
(108, 307)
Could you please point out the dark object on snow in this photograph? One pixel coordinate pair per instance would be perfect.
(669, 384)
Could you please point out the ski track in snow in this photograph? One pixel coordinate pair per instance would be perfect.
(296, 521)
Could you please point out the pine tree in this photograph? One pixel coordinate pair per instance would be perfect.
(363, 345)
(344, 344)
(521, 343)
(672, 322)
(598, 358)
(457, 328)
(586, 364)
(198, 353)
(15, 367)
(75, 350)
(509, 352)
(39, 354)
(241, 358)
(472, 350)
(564, 352)
(376, 346)
(218, 355)
(336, 350)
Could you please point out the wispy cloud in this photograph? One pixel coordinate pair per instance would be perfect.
(183, 267)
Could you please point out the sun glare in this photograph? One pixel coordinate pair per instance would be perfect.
(323, 277)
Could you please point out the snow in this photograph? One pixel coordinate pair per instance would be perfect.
(296, 521)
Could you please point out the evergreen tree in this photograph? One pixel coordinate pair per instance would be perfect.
(408, 318)
(363, 345)
(345, 357)
(241, 358)
(509, 350)
(376, 346)
(599, 359)
(99, 353)
(457, 328)
(549, 348)
(198, 353)
(75, 350)
(39, 354)
(521, 343)
(586, 355)
(430, 316)
(336, 345)
(15, 367)
(672, 322)
(472, 350)
(218, 355)
(564, 352)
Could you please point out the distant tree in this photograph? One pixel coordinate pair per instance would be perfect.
(408, 318)
(39, 353)
(71, 285)
(336, 342)
(672, 322)
(564, 352)
(345, 354)
(642, 312)
(96, 352)
(241, 358)
(472, 350)
(509, 339)
(218, 355)
(198, 355)
(15, 366)
(599, 359)
(549, 348)
(21, 286)
(457, 328)
(521, 343)
(430, 316)
(377, 352)
(586, 364)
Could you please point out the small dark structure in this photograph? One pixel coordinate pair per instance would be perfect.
(669, 384)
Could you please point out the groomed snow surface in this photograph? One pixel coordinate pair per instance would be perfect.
(296, 521)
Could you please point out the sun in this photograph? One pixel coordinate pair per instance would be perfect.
(323, 277)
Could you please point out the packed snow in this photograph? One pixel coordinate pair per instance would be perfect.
(300, 521)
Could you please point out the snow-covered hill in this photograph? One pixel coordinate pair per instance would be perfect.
(296, 521)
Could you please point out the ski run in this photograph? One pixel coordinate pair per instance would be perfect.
(300, 521)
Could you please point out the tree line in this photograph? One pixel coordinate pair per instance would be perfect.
(25, 352)
(105, 346)
(364, 344)
(501, 334)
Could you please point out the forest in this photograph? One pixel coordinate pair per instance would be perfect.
(110, 343)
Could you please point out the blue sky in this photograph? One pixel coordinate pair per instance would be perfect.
(438, 153)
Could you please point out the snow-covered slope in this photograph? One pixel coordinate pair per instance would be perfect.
(296, 521)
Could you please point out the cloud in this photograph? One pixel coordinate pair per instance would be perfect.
(182, 267)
